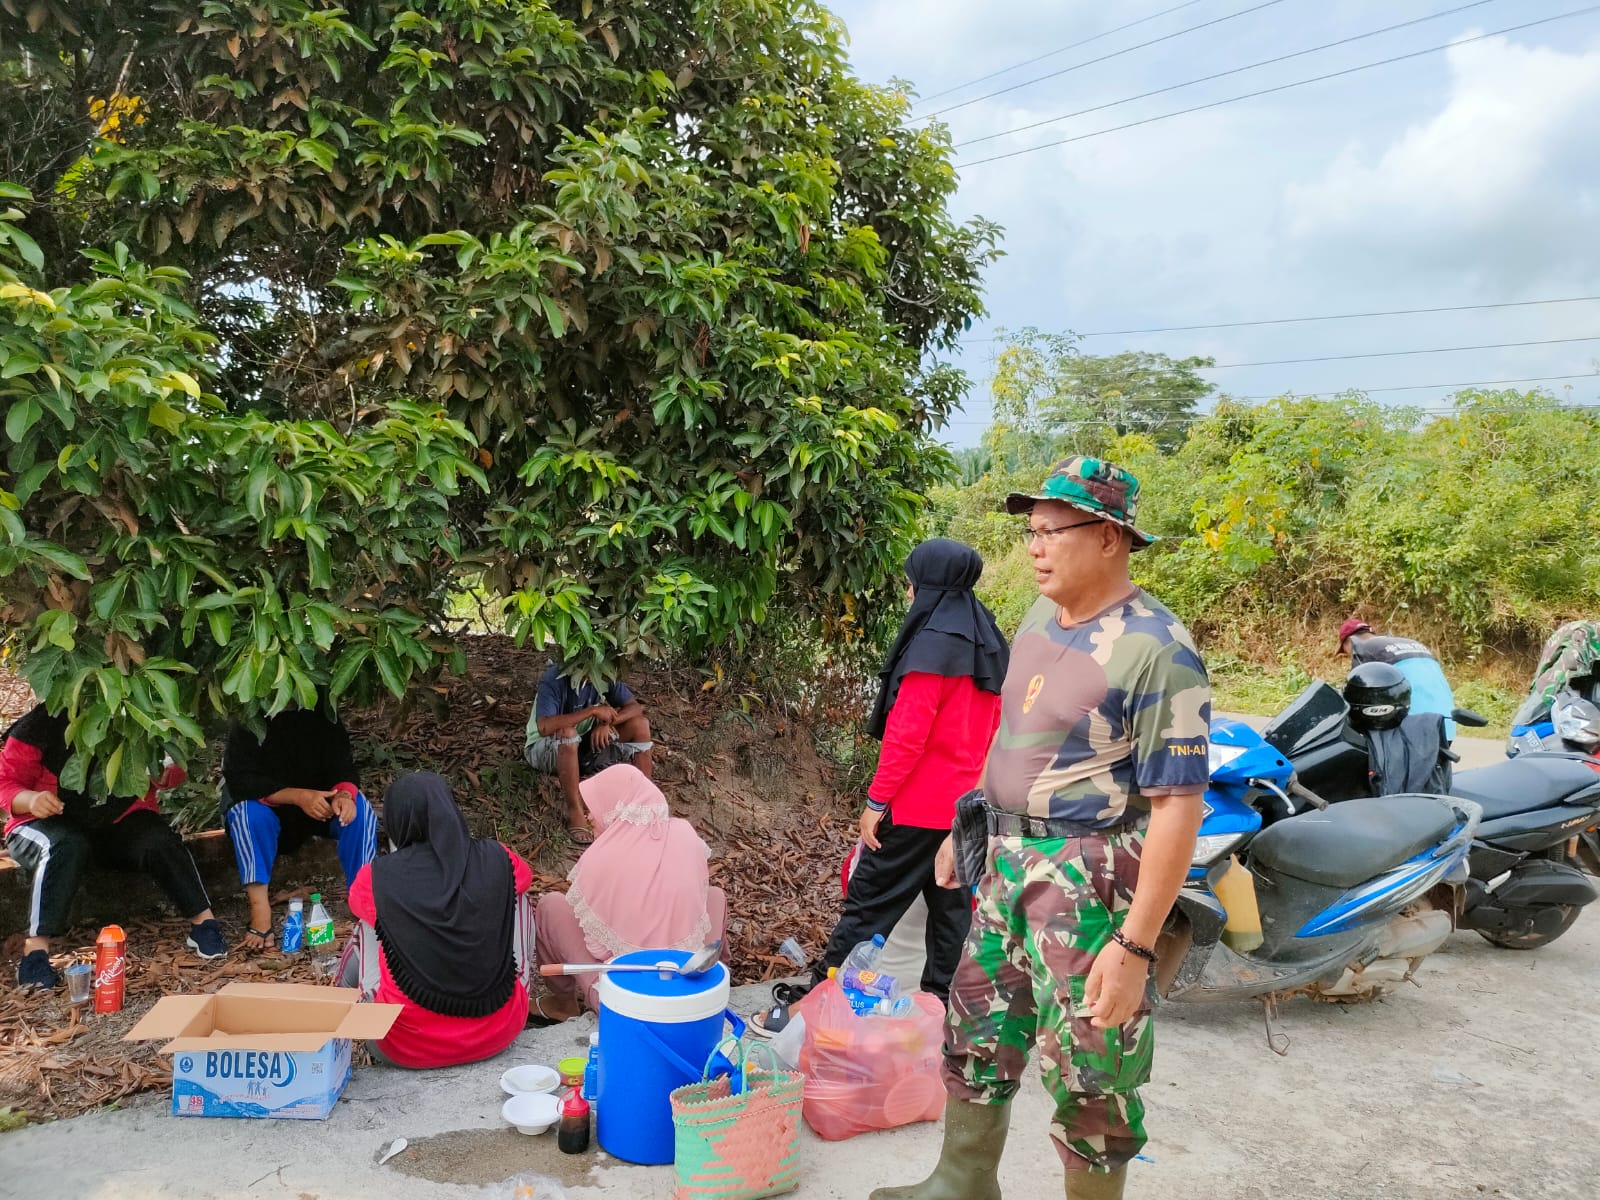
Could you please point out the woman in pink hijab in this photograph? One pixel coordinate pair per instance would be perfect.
(642, 885)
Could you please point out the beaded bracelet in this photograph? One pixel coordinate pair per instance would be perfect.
(1133, 947)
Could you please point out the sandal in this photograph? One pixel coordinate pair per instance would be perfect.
(790, 993)
(770, 1023)
(581, 835)
(264, 937)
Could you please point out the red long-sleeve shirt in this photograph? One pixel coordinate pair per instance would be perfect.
(935, 740)
(22, 769)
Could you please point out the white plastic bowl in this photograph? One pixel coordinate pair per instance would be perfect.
(528, 1079)
(532, 1112)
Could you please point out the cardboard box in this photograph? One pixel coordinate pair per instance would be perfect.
(262, 1049)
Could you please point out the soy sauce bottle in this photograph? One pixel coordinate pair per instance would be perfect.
(572, 1134)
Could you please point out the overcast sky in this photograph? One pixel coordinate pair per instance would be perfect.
(1467, 176)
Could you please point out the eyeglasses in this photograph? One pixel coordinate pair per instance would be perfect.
(1028, 533)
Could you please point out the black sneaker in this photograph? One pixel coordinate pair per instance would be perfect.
(35, 971)
(206, 940)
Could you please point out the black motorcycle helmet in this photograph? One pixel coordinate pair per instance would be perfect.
(1379, 697)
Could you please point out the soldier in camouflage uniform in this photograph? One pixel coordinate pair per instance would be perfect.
(1094, 786)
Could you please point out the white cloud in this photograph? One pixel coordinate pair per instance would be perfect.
(1460, 178)
(1500, 181)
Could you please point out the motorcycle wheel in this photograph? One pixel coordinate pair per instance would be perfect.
(1533, 938)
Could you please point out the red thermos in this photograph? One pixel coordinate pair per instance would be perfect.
(110, 969)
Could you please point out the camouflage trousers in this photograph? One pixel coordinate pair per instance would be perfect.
(1045, 908)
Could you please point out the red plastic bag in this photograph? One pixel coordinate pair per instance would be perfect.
(866, 1073)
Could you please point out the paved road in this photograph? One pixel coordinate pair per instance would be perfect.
(1478, 1082)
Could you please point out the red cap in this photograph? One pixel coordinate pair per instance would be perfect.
(1353, 625)
(574, 1105)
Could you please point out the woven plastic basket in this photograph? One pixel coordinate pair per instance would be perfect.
(738, 1145)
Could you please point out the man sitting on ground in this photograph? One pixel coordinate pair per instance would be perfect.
(55, 831)
(574, 733)
(295, 783)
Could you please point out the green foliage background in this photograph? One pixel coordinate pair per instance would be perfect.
(1478, 530)
(632, 311)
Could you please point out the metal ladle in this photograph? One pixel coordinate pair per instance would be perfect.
(701, 961)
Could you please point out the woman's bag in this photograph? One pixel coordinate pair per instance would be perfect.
(737, 1145)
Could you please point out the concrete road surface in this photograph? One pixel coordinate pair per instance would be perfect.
(1479, 1081)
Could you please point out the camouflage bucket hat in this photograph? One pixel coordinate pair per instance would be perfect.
(1093, 485)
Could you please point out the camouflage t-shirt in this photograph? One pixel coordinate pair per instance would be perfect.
(1094, 715)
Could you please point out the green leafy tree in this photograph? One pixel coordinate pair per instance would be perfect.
(162, 560)
(632, 308)
(1475, 528)
(1050, 396)
(1489, 518)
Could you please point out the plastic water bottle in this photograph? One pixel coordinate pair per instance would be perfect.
(294, 927)
(868, 989)
(863, 958)
(870, 983)
(591, 1071)
(319, 929)
(900, 1006)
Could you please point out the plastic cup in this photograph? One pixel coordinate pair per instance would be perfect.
(790, 949)
(80, 983)
(325, 968)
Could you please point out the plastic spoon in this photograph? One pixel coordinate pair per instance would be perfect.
(701, 961)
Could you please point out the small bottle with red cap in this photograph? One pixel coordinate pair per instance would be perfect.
(572, 1133)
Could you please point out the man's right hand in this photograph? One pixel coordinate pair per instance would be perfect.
(315, 804)
(944, 865)
(43, 804)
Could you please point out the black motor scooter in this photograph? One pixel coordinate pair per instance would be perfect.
(1537, 848)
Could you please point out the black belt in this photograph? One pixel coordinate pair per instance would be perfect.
(1007, 824)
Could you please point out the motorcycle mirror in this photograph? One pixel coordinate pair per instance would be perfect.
(1465, 716)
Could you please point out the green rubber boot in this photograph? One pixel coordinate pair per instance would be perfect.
(1096, 1185)
(974, 1138)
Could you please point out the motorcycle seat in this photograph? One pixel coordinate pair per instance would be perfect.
(1353, 842)
(1524, 783)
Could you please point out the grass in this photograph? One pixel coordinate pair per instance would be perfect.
(1259, 691)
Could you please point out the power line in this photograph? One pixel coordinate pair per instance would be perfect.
(1266, 62)
(1028, 62)
(1254, 414)
(1384, 62)
(1089, 62)
(1280, 362)
(1409, 387)
(1423, 387)
(1392, 312)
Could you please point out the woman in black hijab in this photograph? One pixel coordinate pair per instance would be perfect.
(444, 907)
(937, 710)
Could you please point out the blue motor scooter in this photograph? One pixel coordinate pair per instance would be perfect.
(1351, 897)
